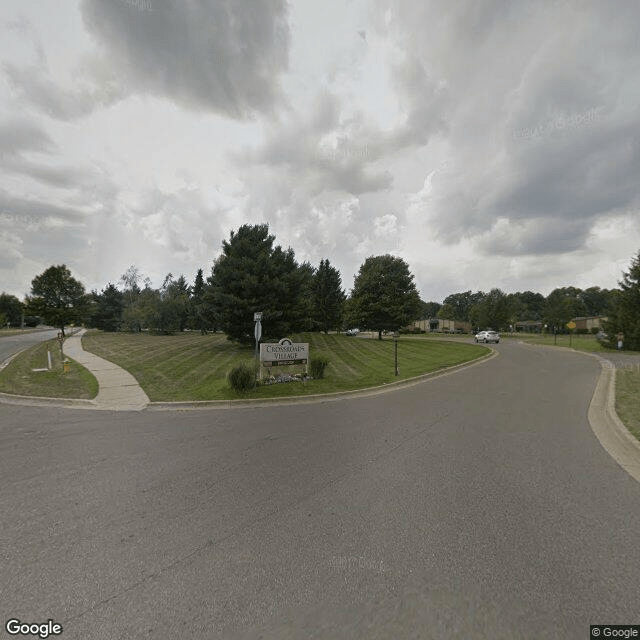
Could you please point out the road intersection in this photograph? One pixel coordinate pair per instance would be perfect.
(478, 504)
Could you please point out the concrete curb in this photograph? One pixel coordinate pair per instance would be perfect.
(41, 401)
(249, 403)
(614, 437)
(317, 398)
(10, 358)
(611, 432)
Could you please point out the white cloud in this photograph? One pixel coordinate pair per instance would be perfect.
(488, 143)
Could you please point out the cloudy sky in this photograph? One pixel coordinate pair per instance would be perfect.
(490, 143)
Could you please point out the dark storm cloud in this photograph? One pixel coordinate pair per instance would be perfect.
(537, 236)
(542, 117)
(203, 54)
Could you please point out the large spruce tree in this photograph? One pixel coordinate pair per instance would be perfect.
(625, 315)
(252, 275)
(328, 297)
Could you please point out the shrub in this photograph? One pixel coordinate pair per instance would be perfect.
(317, 364)
(242, 377)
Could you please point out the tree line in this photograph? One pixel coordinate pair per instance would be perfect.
(253, 274)
(501, 311)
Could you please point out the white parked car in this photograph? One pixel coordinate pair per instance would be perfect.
(487, 336)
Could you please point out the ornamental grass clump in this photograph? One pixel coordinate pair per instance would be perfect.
(242, 377)
(317, 365)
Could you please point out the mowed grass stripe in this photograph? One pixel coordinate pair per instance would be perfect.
(193, 367)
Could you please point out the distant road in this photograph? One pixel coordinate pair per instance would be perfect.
(10, 345)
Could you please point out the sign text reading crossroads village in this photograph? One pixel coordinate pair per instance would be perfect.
(284, 352)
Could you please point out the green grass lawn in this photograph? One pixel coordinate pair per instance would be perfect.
(580, 342)
(191, 366)
(18, 378)
(628, 399)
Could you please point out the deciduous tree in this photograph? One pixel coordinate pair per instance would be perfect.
(11, 307)
(429, 309)
(493, 311)
(57, 297)
(384, 296)
(561, 305)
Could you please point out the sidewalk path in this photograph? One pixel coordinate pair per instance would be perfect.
(119, 390)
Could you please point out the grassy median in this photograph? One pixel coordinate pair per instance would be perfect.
(190, 366)
(19, 378)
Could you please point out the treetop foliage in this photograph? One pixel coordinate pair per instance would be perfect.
(625, 315)
(10, 309)
(57, 297)
(254, 274)
(384, 296)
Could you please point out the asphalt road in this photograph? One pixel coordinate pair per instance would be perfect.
(10, 345)
(475, 505)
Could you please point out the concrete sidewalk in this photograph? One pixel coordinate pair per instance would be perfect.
(118, 389)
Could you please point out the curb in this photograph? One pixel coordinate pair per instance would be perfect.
(605, 423)
(249, 403)
(614, 437)
(41, 401)
(10, 358)
(320, 397)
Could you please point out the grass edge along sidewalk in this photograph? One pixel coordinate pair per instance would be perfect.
(192, 368)
(18, 377)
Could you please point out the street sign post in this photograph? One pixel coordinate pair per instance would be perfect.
(571, 325)
(257, 332)
(395, 348)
